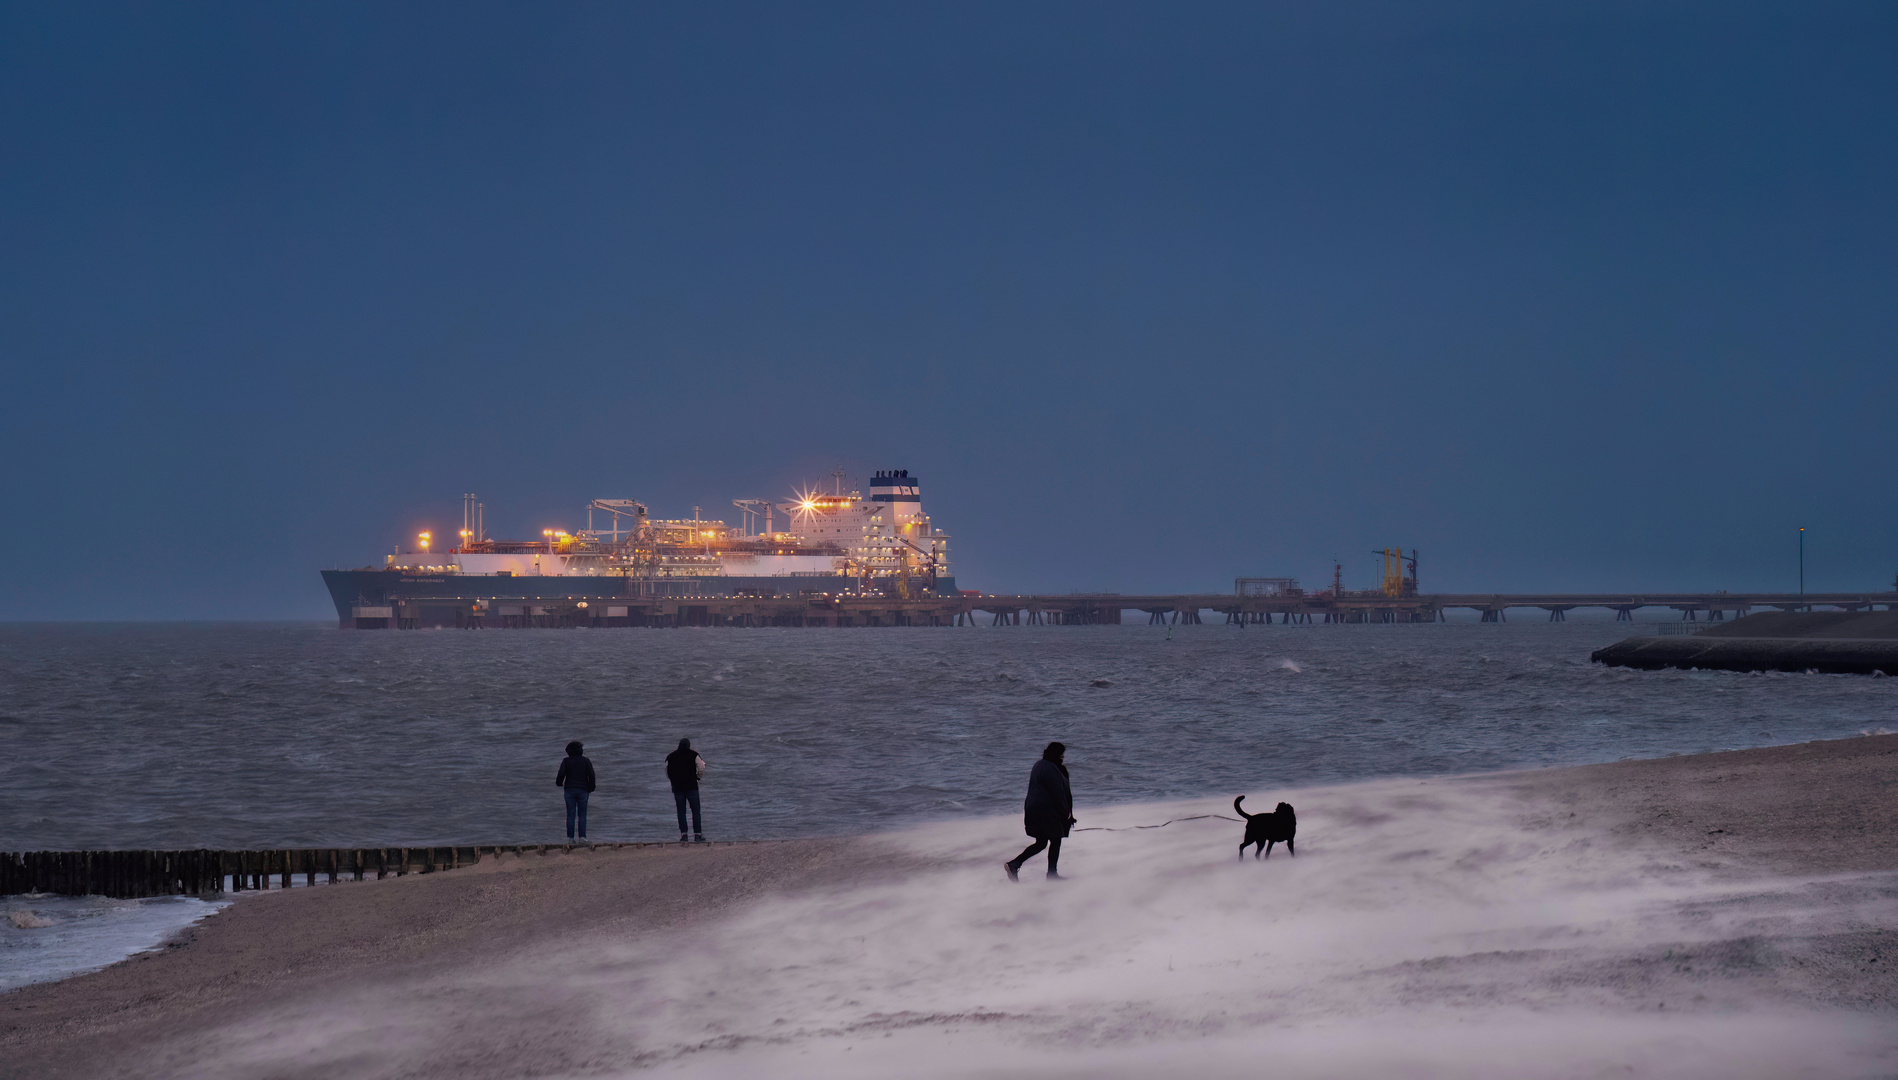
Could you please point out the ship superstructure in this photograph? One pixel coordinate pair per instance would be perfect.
(832, 543)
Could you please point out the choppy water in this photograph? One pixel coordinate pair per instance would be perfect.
(51, 937)
(304, 735)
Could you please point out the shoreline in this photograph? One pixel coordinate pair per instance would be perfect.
(277, 961)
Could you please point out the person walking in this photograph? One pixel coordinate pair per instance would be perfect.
(576, 776)
(684, 766)
(1047, 812)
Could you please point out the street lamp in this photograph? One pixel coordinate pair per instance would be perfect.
(1802, 563)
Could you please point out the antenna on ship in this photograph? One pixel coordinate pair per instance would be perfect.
(837, 477)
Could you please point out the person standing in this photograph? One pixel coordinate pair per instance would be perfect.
(684, 766)
(1047, 812)
(576, 776)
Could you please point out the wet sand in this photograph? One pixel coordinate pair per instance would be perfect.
(263, 988)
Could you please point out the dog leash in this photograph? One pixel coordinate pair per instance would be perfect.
(1162, 825)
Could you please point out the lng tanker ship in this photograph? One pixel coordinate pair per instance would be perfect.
(838, 544)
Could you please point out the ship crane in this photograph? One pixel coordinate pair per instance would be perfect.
(752, 509)
(619, 508)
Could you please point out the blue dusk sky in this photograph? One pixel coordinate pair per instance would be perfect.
(1595, 296)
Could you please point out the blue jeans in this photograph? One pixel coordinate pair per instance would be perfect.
(680, 799)
(577, 807)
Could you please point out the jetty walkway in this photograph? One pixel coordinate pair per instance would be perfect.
(1088, 609)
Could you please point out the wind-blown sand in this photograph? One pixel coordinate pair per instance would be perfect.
(1726, 915)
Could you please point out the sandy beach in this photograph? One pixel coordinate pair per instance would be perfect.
(1728, 914)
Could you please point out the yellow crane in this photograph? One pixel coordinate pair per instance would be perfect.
(1396, 582)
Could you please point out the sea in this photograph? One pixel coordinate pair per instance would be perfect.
(249, 735)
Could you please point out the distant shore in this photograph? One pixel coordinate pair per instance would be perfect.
(1814, 808)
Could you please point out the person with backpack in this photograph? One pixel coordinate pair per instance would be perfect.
(684, 767)
(576, 777)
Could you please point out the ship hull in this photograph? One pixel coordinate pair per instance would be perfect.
(379, 599)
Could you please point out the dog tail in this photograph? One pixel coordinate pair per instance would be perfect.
(1240, 810)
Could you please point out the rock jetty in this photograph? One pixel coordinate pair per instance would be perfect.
(1827, 642)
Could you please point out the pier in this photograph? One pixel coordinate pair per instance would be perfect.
(591, 605)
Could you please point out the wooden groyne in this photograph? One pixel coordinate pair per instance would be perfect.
(200, 872)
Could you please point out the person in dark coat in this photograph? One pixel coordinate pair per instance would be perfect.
(1047, 812)
(576, 776)
(683, 767)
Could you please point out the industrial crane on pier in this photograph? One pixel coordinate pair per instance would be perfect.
(1396, 582)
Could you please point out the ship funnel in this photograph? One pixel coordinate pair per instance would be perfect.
(898, 486)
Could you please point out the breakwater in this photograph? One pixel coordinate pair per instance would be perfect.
(1827, 642)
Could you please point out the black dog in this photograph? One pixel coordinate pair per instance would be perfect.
(1267, 829)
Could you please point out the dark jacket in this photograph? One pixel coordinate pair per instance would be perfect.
(1050, 802)
(682, 768)
(575, 771)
